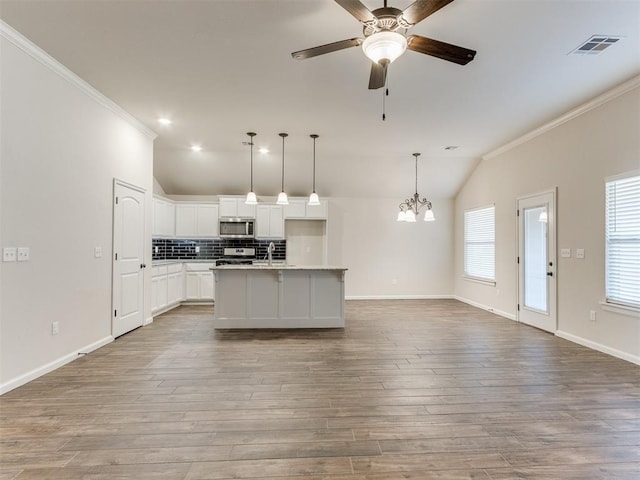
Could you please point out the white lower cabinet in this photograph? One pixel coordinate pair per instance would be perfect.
(199, 282)
(167, 286)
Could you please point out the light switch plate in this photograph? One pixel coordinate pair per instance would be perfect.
(565, 252)
(97, 252)
(579, 252)
(23, 254)
(9, 254)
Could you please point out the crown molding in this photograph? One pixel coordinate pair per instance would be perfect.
(27, 46)
(576, 112)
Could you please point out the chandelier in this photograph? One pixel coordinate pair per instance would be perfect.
(410, 208)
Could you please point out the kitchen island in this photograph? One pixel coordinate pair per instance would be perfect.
(278, 296)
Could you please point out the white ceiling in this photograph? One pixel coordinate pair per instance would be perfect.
(221, 68)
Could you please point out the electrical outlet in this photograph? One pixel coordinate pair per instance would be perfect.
(592, 315)
(55, 328)
(23, 254)
(565, 252)
(9, 254)
(394, 281)
(579, 252)
(155, 249)
(197, 249)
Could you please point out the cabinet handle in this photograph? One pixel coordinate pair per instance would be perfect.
(142, 265)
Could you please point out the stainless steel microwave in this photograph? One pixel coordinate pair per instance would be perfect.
(236, 228)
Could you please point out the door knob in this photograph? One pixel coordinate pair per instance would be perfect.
(550, 274)
(142, 265)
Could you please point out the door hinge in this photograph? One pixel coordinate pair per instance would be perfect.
(518, 260)
(518, 212)
(518, 307)
(116, 256)
(116, 200)
(115, 313)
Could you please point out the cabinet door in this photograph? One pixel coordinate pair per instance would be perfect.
(244, 210)
(206, 286)
(317, 211)
(155, 294)
(162, 292)
(228, 207)
(263, 221)
(186, 220)
(174, 288)
(207, 221)
(193, 286)
(296, 208)
(276, 221)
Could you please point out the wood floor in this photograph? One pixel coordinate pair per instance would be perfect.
(408, 390)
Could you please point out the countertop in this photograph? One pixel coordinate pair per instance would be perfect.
(276, 266)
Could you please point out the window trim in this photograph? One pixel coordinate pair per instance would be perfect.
(465, 275)
(607, 304)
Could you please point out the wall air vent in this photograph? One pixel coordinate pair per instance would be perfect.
(595, 45)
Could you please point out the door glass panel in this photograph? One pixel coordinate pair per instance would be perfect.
(535, 258)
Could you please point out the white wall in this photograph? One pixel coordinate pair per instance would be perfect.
(364, 236)
(305, 242)
(575, 157)
(62, 146)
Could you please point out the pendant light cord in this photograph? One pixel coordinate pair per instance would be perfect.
(283, 135)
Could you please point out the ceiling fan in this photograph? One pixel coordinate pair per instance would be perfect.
(385, 37)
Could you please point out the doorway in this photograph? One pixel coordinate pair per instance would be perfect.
(128, 258)
(537, 260)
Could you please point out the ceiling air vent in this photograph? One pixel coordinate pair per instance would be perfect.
(595, 45)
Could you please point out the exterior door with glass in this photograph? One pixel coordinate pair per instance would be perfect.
(537, 261)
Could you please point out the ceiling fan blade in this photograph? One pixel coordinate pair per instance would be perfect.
(378, 76)
(421, 9)
(436, 48)
(328, 48)
(357, 9)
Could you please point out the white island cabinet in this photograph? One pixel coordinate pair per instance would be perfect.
(278, 296)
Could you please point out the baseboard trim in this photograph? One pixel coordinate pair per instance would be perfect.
(148, 321)
(49, 367)
(510, 316)
(599, 347)
(398, 297)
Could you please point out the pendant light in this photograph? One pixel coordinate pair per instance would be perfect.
(410, 208)
(282, 197)
(251, 196)
(313, 198)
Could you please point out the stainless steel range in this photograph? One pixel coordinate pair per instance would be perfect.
(237, 256)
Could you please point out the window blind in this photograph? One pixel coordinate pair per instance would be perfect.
(623, 241)
(479, 243)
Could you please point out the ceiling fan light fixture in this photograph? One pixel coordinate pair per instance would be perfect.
(384, 45)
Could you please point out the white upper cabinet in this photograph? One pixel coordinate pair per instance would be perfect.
(298, 208)
(164, 218)
(235, 207)
(270, 221)
(196, 220)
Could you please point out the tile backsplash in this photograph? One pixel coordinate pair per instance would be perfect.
(209, 249)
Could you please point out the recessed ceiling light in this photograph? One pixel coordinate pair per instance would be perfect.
(196, 148)
(263, 150)
(164, 121)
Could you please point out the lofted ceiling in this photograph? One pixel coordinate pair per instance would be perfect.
(221, 68)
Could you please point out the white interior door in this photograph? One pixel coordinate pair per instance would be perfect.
(128, 259)
(537, 261)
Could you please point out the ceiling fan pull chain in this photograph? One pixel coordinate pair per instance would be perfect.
(384, 116)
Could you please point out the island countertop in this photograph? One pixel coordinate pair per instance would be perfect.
(276, 266)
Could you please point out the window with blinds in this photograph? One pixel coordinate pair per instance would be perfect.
(623, 241)
(480, 243)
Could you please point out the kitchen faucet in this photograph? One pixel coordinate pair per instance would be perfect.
(270, 249)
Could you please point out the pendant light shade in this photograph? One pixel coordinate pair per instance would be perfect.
(313, 198)
(282, 197)
(429, 216)
(251, 196)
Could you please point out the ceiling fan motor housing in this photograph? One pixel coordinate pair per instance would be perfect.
(386, 19)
